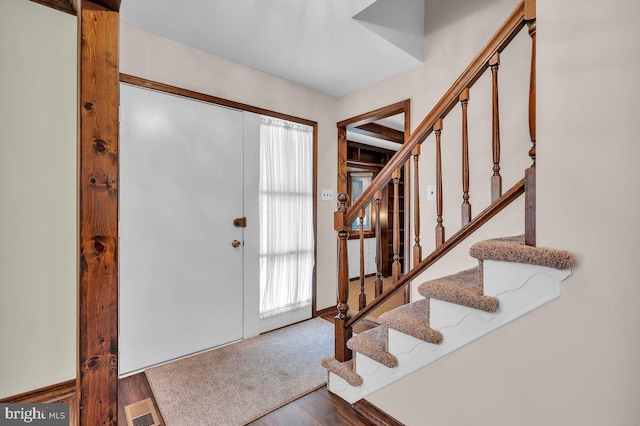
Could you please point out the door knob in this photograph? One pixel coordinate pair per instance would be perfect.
(235, 243)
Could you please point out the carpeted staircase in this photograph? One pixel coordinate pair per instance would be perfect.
(511, 279)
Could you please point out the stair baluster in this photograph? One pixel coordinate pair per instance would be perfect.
(437, 128)
(396, 267)
(362, 301)
(530, 173)
(496, 179)
(378, 283)
(417, 249)
(466, 206)
(342, 332)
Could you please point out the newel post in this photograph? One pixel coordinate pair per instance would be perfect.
(342, 333)
(530, 173)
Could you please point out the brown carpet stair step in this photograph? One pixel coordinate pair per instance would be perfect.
(463, 288)
(346, 370)
(374, 344)
(412, 319)
(513, 249)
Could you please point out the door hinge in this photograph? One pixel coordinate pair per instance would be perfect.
(240, 222)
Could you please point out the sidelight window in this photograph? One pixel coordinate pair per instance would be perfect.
(286, 216)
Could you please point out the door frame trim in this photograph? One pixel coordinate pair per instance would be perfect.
(367, 118)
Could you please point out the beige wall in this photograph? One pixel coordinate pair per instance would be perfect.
(573, 361)
(152, 57)
(38, 197)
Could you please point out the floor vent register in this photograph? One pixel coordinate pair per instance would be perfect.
(141, 413)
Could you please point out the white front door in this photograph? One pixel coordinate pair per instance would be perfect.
(181, 186)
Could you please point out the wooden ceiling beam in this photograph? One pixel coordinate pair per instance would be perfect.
(380, 132)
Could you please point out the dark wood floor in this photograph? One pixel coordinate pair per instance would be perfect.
(320, 407)
(133, 389)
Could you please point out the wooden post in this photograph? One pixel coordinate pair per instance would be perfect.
(530, 173)
(466, 206)
(97, 379)
(362, 300)
(342, 333)
(417, 249)
(496, 179)
(342, 159)
(396, 267)
(439, 228)
(378, 283)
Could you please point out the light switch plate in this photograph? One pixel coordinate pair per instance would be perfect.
(326, 195)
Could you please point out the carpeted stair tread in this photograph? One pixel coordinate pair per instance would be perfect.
(463, 288)
(344, 370)
(412, 319)
(513, 249)
(373, 343)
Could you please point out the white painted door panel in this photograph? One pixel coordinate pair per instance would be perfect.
(181, 174)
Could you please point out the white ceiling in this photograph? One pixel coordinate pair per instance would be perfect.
(333, 46)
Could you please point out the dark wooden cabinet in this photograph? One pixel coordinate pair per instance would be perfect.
(361, 158)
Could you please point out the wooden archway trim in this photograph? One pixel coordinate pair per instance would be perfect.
(364, 119)
(97, 379)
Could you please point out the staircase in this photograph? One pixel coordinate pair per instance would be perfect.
(510, 280)
(513, 276)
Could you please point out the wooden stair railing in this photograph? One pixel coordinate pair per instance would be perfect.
(489, 57)
(516, 191)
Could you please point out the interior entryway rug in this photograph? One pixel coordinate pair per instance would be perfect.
(239, 383)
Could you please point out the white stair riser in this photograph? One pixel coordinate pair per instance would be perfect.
(520, 290)
(499, 276)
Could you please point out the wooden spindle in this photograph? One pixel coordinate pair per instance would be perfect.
(396, 267)
(378, 283)
(342, 333)
(437, 128)
(417, 249)
(466, 206)
(530, 173)
(362, 301)
(496, 179)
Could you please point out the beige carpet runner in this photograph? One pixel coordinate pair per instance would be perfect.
(239, 383)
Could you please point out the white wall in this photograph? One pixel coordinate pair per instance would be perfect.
(573, 361)
(38, 197)
(155, 58)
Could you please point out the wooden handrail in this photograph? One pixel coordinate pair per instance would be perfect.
(457, 238)
(507, 31)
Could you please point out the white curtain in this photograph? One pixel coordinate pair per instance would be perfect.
(286, 216)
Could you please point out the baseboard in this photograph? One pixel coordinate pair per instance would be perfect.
(64, 392)
(331, 310)
(366, 276)
(374, 414)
